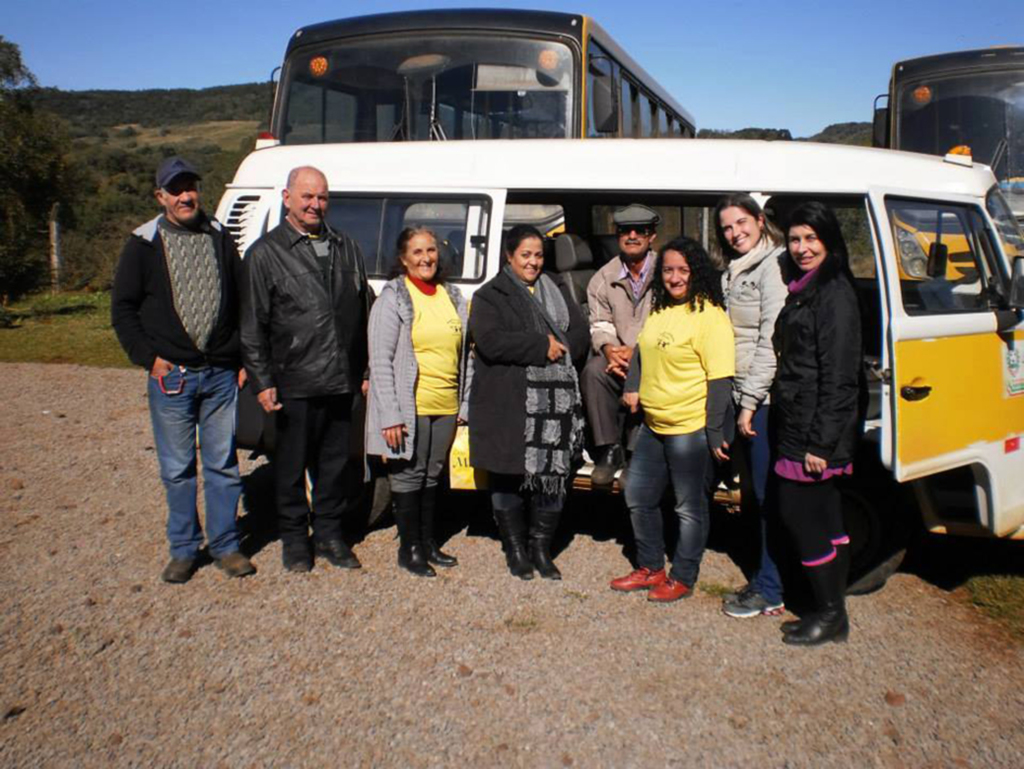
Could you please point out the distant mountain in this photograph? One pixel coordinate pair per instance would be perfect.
(838, 133)
(91, 112)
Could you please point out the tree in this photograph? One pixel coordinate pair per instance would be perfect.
(33, 174)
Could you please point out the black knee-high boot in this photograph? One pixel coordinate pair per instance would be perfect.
(542, 530)
(411, 556)
(428, 501)
(829, 621)
(843, 561)
(512, 528)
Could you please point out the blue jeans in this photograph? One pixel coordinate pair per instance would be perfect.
(766, 579)
(207, 401)
(657, 459)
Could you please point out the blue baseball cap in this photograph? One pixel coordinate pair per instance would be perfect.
(172, 168)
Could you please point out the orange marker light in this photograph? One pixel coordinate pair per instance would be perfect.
(547, 59)
(922, 95)
(960, 149)
(318, 66)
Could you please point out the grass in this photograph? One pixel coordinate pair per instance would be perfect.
(61, 328)
(1002, 598)
(226, 134)
(715, 589)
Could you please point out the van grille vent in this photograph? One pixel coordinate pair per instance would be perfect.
(238, 220)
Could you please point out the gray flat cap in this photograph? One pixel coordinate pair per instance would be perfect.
(635, 215)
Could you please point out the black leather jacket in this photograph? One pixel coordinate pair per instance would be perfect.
(816, 397)
(300, 333)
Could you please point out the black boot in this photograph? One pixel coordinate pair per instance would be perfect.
(829, 621)
(513, 536)
(542, 530)
(843, 571)
(609, 462)
(410, 550)
(433, 552)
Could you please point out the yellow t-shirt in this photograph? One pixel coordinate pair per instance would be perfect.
(680, 350)
(437, 343)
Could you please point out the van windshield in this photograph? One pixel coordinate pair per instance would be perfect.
(426, 86)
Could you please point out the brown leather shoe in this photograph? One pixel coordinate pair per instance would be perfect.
(670, 590)
(235, 565)
(641, 579)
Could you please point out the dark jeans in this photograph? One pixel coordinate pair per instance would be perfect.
(766, 579)
(813, 514)
(313, 434)
(657, 459)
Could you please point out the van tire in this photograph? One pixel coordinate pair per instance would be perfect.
(879, 531)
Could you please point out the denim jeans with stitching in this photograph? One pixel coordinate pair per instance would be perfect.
(683, 461)
(207, 401)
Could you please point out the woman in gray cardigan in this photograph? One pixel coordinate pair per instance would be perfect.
(419, 382)
(754, 295)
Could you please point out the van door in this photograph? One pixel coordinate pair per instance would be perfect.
(956, 395)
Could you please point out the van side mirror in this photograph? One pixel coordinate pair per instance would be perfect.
(605, 96)
(938, 259)
(1017, 284)
(880, 125)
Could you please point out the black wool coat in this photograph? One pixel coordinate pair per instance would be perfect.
(504, 345)
(816, 398)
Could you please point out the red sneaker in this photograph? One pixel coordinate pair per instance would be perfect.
(641, 579)
(669, 590)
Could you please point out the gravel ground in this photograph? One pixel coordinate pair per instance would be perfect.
(102, 664)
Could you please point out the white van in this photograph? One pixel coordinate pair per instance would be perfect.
(936, 251)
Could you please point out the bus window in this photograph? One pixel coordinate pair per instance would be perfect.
(602, 93)
(663, 124)
(645, 116)
(376, 221)
(627, 99)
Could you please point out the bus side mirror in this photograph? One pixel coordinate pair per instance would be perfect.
(938, 259)
(1017, 284)
(880, 125)
(604, 95)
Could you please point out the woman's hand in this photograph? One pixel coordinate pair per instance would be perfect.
(395, 436)
(814, 465)
(744, 423)
(631, 401)
(720, 452)
(555, 349)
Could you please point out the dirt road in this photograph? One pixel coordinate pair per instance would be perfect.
(101, 664)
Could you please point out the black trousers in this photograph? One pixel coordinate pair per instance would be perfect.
(313, 434)
(813, 515)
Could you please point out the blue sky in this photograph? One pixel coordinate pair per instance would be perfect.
(799, 65)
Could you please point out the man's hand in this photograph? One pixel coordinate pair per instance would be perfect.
(555, 349)
(814, 465)
(161, 368)
(631, 401)
(242, 377)
(366, 387)
(395, 436)
(720, 452)
(618, 357)
(744, 423)
(268, 400)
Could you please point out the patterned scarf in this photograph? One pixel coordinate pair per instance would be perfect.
(554, 411)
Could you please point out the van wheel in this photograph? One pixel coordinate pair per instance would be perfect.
(878, 536)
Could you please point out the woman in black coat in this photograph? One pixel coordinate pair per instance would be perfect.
(529, 338)
(815, 402)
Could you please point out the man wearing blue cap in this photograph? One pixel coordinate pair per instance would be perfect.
(174, 307)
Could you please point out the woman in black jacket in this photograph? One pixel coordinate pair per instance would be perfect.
(815, 401)
(525, 414)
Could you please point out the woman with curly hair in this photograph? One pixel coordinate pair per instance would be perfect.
(681, 374)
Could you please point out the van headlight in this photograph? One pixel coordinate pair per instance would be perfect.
(912, 256)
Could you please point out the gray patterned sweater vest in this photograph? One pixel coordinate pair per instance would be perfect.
(195, 279)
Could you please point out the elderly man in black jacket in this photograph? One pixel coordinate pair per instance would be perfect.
(305, 305)
(174, 308)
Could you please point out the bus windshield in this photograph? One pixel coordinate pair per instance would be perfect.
(428, 85)
(983, 111)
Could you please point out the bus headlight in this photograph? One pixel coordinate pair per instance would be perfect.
(912, 256)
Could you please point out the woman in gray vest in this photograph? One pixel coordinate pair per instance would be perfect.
(754, 294)
(419, 380)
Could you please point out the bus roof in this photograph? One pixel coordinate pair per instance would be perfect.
(699, 165)
(997, 57)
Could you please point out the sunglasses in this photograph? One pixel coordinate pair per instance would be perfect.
(641, 231)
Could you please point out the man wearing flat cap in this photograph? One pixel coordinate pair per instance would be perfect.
(174, 307)
(619, 295)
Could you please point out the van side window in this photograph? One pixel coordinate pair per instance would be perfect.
(945, 261)
(375, 221)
